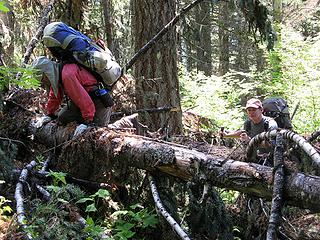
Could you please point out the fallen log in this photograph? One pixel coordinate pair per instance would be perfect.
(101, 153)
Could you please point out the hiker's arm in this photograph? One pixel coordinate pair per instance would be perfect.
(53, 102)
(232, 134)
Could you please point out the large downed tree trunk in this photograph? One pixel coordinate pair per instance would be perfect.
(102, 154)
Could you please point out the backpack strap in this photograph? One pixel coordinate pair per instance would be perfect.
(247, 124)
(266, 124)
(68, 40)
(71, 37)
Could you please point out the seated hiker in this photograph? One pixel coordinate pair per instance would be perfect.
(85, 105)
(255, 124)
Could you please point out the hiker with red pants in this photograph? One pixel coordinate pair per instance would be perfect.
(85, 103)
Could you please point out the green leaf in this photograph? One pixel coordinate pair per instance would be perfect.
(83, 200)
(89, 221)
(150, 221)
(91, 208)
(53, 188)
(117, 213)
(125, 227)
(61, 200)
(60, 176)
(125, 234)
(101, 193)
(3, 8)
(137, 205)
(7, 209)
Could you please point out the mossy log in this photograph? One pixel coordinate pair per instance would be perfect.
(105, 155)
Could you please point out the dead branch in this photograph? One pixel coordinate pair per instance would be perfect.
(43, 22)
(19, 196)
(277, 202)
(149, 110)
(175, 226)
(287, 134)
(101, 153)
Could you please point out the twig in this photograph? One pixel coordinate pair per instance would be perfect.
(295, 110)
(277, 202)
(205, 193)
(43, 22)
(46, 195)
(12, 140)
(150, 110)
(20, 106)
(48, 161)
(164, 212)
(18, 195)
(153, 41)
(313, 136)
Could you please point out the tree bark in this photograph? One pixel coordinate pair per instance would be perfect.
(224, 38)
(101, 152)
(108, 25)
(204, 46)
(156, 73)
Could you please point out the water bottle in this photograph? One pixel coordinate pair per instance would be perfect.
(105, 97)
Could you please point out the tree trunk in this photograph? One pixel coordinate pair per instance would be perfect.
(102, 155)
(74, 14)
(223, 38)
(156, 73)
(107, 11)
(8, 21)
(204, 50)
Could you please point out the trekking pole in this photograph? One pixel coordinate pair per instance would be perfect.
(221, 136)
(295, 110)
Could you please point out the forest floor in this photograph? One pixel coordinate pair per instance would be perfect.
(297, 223)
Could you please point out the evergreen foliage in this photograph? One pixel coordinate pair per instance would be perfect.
(290, 70)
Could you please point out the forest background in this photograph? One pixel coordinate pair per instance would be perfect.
(220, 63)
(220, 59)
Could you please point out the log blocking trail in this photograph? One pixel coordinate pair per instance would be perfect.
(102, 152)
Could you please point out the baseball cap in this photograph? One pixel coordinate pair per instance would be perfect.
(253, 103)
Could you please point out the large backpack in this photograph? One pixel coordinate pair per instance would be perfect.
(278, 109)
(65, 42)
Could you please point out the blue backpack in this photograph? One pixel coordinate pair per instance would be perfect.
(67, 43)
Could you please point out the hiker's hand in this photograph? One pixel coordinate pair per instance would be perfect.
(244, 137)
(42, 121)
(80, 129)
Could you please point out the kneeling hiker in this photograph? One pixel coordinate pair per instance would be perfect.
(255, 124)
(85, 106)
